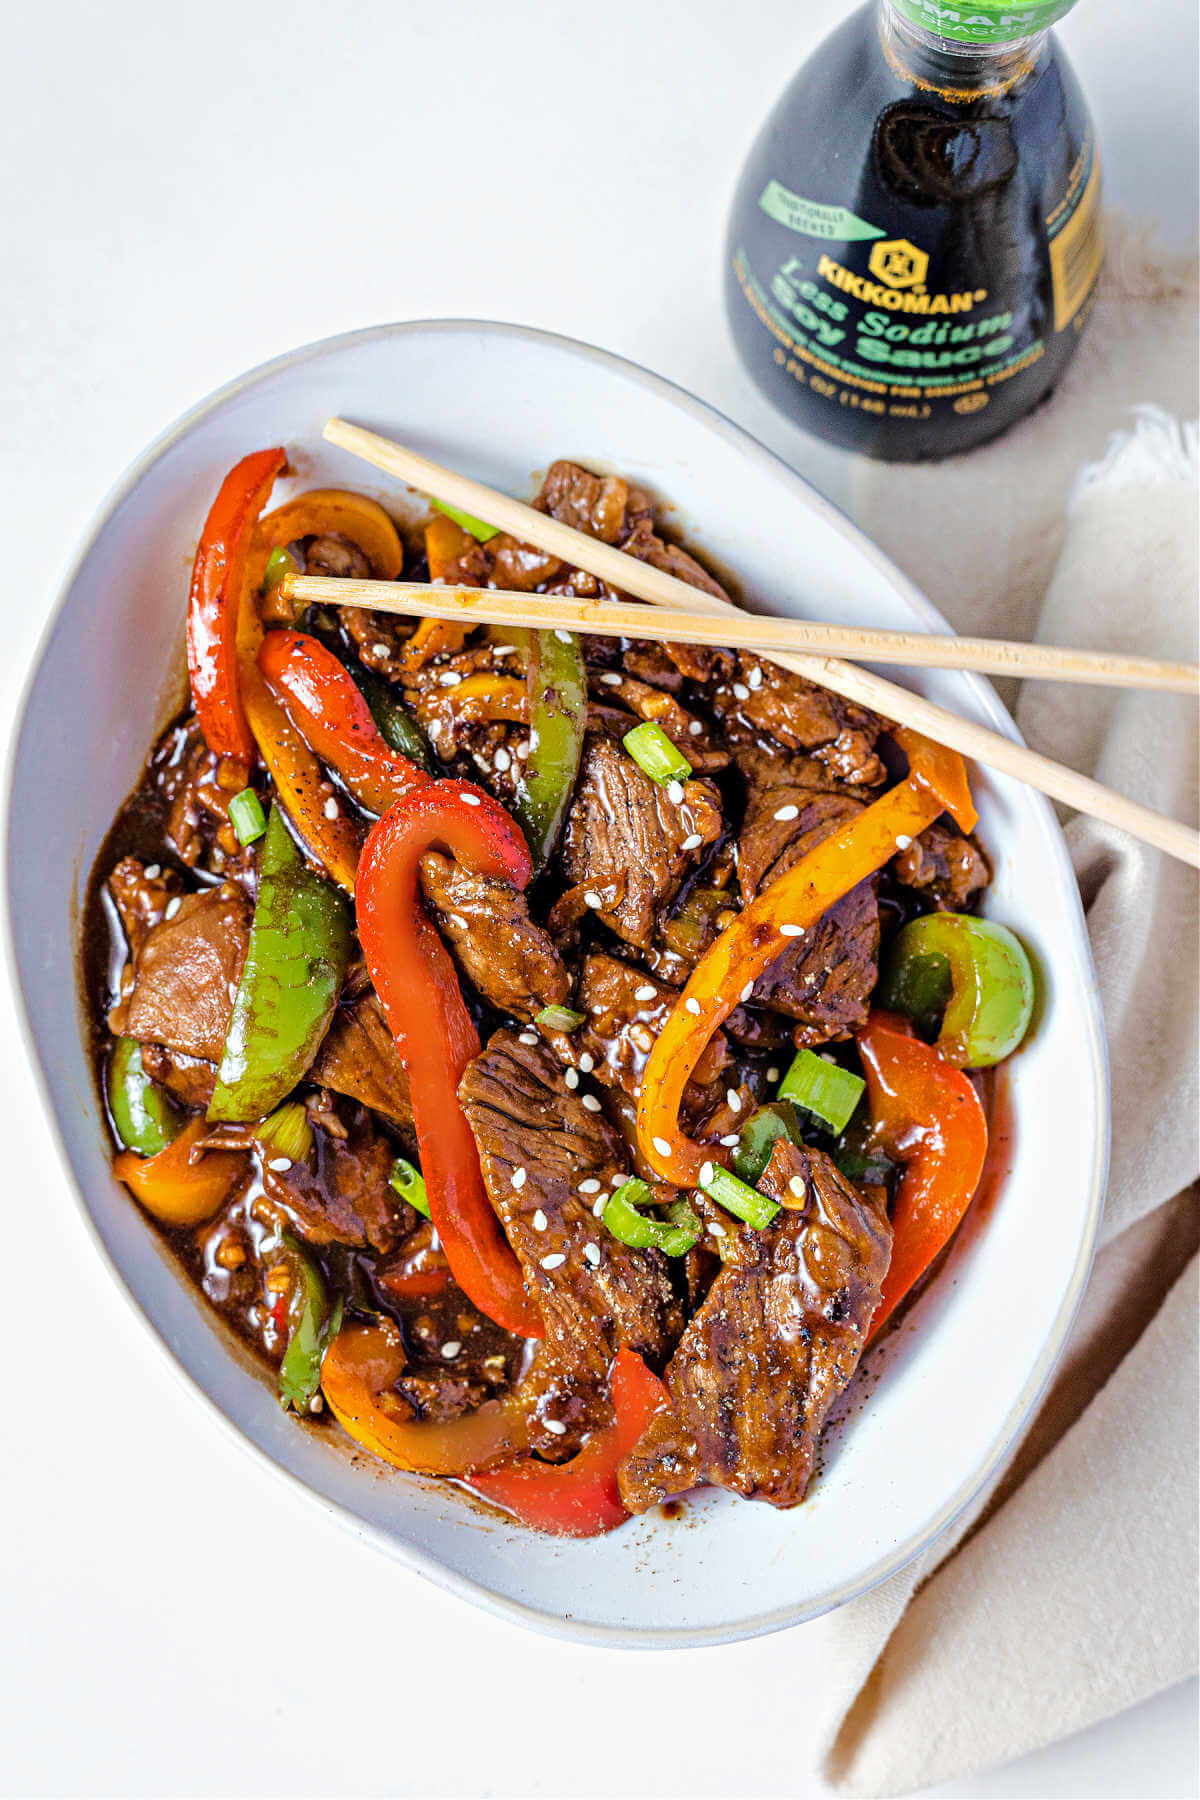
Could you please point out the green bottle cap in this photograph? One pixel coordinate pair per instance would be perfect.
(983, 21)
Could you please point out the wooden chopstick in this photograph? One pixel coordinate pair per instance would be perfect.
(985, 656)
(861, 686)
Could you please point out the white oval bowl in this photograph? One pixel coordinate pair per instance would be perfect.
(937, 1407)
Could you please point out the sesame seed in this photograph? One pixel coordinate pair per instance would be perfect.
(590, 1186)
(747, 991)
(528, 1037)
(539, 1220)
(504, 649)
(642, 1038)
(331, 808)
(773, 1073)
(172, 908)
(591, 1254)
(564, 637)
(791, 931)
(590, 1103)
(587, 1062)
(502, 760)
(153, 871)
(451, 1350)
(645, 992)
(662, 1146)
(591, 898)
(692, 1006)
(556, 1426)
(435, 1242)
(693, 841)
(522, 750)
(572, 1079)
(903, 843)
(470, 799)
(707, 1171)
(734, 1099)
(535, 739)
(732, 1141)
(695, 727)
(555, 1260)
(755, 677)
(599, 1206)
(796, 1186)
(787, 812)
(716, 1230)
(519, 1176)
(380, 648)
(449, 677)
(741, 691)
(280, 1163)
(610, 678)
(457, 919)
(675, 792)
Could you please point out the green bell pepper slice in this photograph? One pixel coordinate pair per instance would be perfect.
(557, 683)
(295, 967)
(756, 1140)
(146, 1117)
(312, 1327)
(970, 974)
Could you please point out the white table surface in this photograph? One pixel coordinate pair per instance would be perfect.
(190, 191)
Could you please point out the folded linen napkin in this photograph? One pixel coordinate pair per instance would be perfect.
(1069, 1591)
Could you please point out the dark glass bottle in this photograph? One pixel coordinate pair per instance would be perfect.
(915, 241)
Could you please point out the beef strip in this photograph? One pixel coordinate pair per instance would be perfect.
(359, 1058)
(197, 785)
(944, 866)
(335, 555)
(686, 731)
(625, 1010)
(763, 700)
(511, 961)
(775, 1342)
(186, 973)
(624, 841)
(596, 1293)
(343, 1195)
(141, 898)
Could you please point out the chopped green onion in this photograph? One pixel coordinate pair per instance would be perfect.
(247, 816)
(476, 527)
(822, 1088)
(559, 1018)
(288, 1131)
(757, 1138)
(737, 1197)
(653, 751)
(279, 563)
(629, 1225)
(407, 1181)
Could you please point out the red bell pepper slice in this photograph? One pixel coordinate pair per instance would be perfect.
(932, 1120)
(418, 988)
(580, 1498)
(334, 720)
(222, 627)
(936, 783)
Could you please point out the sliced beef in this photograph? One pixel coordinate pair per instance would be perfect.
(186, 973)
(686, 731)
(511, 961)
(342, 1195)
(197, 785)
(359, 1058)
(547, 1157)
(764, 700)
(625, 1010)
(190, 1078)
(141, 893)
(824, 979)
(335, 556)
(944, 866)
(777, 1339)
(781, 825)
(592, 503)
(628, 844)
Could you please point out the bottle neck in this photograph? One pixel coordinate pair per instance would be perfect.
(952, 69)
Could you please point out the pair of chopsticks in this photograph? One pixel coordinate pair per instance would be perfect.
(812, 650)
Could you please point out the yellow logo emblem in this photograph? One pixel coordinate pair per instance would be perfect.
(898, 262)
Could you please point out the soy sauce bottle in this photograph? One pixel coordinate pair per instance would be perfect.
(915, 242)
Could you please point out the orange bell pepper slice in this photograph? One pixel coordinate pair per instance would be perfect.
(327, 832)
(363, 1364)
(176, 1188)
(580, 1498)
(931, 1118)
(323, 512)
(936, 782)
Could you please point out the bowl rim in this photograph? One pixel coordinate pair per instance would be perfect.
(421, 1562)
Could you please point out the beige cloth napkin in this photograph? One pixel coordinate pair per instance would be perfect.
(1069, 1591)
